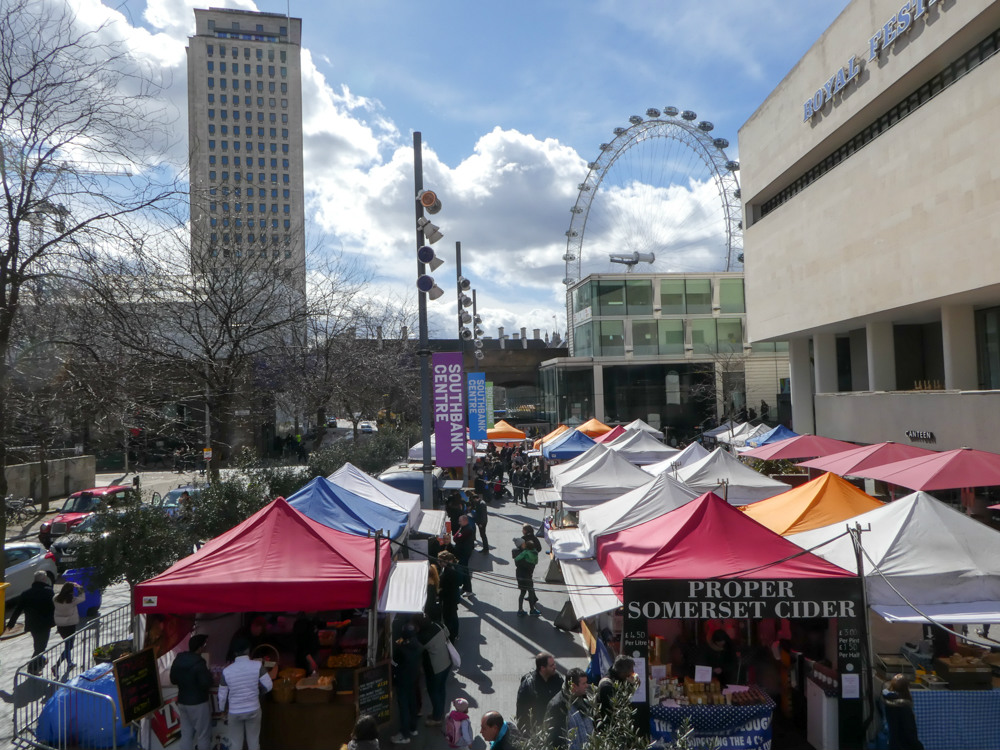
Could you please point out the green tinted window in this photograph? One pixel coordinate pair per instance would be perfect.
(611, 297)
(730, 334)
(612, 342)
(672, 297)
(644, 338)
(671, 336)
(699, 296)
(731, 296)
(703, 336)
(582, 297)
(639, 296)
(583, 340)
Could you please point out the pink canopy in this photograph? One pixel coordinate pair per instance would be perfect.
(705, 538)
(278, 560)
(946, 470)
(801, 446)
(607, 437)
(848, 463)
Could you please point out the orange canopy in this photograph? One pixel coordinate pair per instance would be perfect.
(546, 438)
(593, 428)
(821, 502)
(503, 431)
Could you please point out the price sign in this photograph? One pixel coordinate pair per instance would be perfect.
(373, 688)
(138, 685)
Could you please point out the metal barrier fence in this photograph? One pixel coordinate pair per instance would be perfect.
(67, 659)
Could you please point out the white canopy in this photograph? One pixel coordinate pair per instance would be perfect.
(416, 452)
(740, 441)
(729, 436)
(588, 484)
(641, 448)
(406, 589)
(689, 455)
(638, 424)
(588, 588)
(934, 555)
(584, 459)
(352, 479)
(722, 429)
(661, 495)
(743, 484)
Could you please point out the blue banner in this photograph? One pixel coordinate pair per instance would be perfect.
(715, 726)
(477, 405)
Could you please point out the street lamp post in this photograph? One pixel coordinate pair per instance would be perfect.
(423, 349)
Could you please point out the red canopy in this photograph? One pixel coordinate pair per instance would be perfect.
(278, 560)
(802, 446)
(848, 463)
(706, 538)
(947, 470)
(607, 437)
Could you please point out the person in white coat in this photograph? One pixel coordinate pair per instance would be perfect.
(67, 617)
(239, 688)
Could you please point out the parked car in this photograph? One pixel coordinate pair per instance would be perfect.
(66, 548)
(170, 502)
(78, 506)
(23, 560)
(367, 427)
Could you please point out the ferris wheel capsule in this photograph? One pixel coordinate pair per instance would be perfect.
(687, 114)
(635, 120)
(671, 111)
(653, 112)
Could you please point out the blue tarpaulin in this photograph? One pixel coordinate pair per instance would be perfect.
(343, 510)
(571, 446)
(777, 434)
(71, 717)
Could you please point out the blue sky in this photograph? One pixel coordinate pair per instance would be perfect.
(512, 99)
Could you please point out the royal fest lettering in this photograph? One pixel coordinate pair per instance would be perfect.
(897, 24)
(739, 599)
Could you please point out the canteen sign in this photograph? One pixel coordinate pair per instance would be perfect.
(881, 39)
(448, 386)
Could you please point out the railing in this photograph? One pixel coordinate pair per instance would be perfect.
(59, 729)
(31, 690)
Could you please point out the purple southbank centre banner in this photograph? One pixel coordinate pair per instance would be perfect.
(448, 384)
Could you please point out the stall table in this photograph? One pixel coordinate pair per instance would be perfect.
(306, 726)
(947, 719)
(733, 726)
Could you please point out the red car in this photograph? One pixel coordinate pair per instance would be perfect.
(79, 506)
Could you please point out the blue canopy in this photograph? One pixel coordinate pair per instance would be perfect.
(571, 446)
(343, 510)
(778, 434)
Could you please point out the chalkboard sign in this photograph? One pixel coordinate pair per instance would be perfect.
(373, 688)
(138, 685)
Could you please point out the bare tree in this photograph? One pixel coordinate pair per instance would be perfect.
(722, 387)
(80, 134)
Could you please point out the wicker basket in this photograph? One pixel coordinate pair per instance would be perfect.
(267, 654)
(307, 691)
(283, 691)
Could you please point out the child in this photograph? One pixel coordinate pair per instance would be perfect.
(525, 556)
(457, 727)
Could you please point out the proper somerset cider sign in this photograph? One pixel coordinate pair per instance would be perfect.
(138, 685)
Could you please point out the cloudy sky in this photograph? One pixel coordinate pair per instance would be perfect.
(513, 100)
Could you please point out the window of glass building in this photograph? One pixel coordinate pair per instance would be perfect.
(671, 336)
(639, 297)
(610, 298)
(730, 334)
(644, 338)
(698, 294)
(731, 296)
(612, 343)
(672, 297)
(583, 340)
(988, 344)
(703, 336)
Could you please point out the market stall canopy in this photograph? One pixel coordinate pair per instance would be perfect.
(722, 428)
(591, 454)
(689, 455)
(416, 452)
(850, 462)
(755, 432)
(743, 485)
(641, 448)
(638, 424)
(571, 446)
(661, 495)
(823, 501)
(593, 428)
(551, 436)
(937, 557)
(608, 476)
(736, 433)
(775, 435)
(948, 470)
(278, 560)
(406, 588)
(351, 478)
(607, 437)
(343, 510)
(504, 432)
(801, 446)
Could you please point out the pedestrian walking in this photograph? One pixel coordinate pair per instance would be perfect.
(451, 592)
(464, 542)
(622, 671)
(500, 734)
(66, 615)
(406, 653)
(481, 515)
(240, 688)
(437, 664)
(458, 727)
(191, 675)
(39, 610)
(432, 605)
(525, 559)
(568, 718)
(535, 691)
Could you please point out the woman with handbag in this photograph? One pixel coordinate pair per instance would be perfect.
(437, 665)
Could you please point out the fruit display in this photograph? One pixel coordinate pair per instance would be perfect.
(345, 661)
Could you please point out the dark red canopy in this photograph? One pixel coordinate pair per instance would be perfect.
(947, 470)
(706, 538)
(278, 560)
(802, 446)
(848, 463)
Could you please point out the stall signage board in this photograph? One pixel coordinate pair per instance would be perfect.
(373, 688)
(138, 685)
(754, 732)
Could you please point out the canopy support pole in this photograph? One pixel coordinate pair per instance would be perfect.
(373, 614)
(866, 654)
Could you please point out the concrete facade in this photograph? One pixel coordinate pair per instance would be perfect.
(245, 138)
(870, 217)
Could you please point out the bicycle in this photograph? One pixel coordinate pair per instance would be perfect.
(19, 509)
